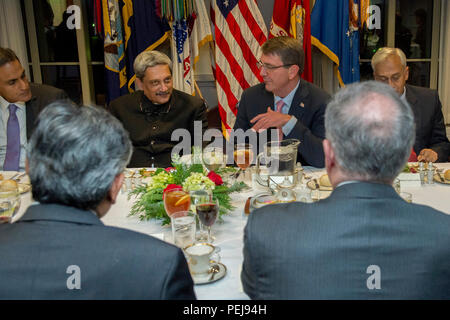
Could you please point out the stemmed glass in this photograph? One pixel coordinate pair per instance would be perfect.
(9, 204)
(176, 200)
(207, 213)
(243, 156)
(197, 197)
(213, 158)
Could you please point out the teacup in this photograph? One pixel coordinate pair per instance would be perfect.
(199, 257)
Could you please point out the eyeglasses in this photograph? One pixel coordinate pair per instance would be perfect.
(266, 66)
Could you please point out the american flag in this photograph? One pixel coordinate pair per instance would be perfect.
(188, 36)
(240, 32)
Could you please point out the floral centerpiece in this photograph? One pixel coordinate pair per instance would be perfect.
(149, 198)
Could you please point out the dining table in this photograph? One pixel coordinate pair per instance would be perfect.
(229, 230)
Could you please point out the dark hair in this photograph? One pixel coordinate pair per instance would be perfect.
(6, 56)
(289, 50)
(75, 153)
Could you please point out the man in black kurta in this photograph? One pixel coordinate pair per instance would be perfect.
(151, 115)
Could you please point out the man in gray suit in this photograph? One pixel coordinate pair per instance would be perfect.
(27, 99)
(363, 241)
(60, 249)
(389, 66)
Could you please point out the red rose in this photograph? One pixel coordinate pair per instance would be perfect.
(169, 169)
(214, 177)
(170, 187)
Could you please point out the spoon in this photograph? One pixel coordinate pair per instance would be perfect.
(214, 269)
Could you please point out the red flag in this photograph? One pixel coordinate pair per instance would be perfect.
(292, 18)
(240, 32)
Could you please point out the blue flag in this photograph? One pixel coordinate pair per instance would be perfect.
(143, 29)
(130, 26)
(334, 31)
(114, 49)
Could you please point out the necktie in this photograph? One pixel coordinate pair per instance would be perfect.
(280, 105)
(13, 141)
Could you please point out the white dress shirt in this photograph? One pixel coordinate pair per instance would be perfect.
(21, 116)
(287, 128)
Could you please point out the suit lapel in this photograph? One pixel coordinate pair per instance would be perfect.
(300, 101)
(31, 111)
(412, 99)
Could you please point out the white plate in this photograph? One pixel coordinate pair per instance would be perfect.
(206, 277)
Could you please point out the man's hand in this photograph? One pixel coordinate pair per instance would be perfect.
(269, 119)
(427, 155)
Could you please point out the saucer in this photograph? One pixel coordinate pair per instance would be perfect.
(204, 278)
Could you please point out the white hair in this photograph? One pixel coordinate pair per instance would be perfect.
(383, 53)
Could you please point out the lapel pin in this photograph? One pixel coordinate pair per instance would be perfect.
(302, 105)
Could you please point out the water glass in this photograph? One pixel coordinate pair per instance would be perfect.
(9, 204)
(183, 228)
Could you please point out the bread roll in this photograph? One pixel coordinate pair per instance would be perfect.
(8, 185)
(325, 181)
(447, 175)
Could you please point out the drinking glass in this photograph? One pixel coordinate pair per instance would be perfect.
(197, 197)
(243, 156)
(176, 200)
(183, 228)
(207, 213)
(213, 158)
(9, 204)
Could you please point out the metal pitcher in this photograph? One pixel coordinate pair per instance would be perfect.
(280, 158)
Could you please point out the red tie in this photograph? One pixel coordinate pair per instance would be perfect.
(280, 105)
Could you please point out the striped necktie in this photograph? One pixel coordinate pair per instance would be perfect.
(280, 105)
(13, 141)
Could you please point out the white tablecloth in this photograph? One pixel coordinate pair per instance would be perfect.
(229, 233)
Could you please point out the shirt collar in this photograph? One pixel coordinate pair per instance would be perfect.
(403, 96)
(5, 104)
(343, 183)
(288, 99)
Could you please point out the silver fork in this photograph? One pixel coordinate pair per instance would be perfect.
(18, 176)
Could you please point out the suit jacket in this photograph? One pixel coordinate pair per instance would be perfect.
(151, 133)
(308, 106)
(325, 250)
(42, 95)
(430, 126)
(37, 251)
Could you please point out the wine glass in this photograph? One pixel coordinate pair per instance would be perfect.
(176, 200)
(243, 156)
(207, 213)
(9, 204)
(197, 197)
(213, 158)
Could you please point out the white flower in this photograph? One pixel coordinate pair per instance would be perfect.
(198, 181)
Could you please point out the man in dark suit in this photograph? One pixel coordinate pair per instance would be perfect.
(152, 115)
(389, 66)
(286, 102)
(27, 100)
(363, 241)
(59, 249)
